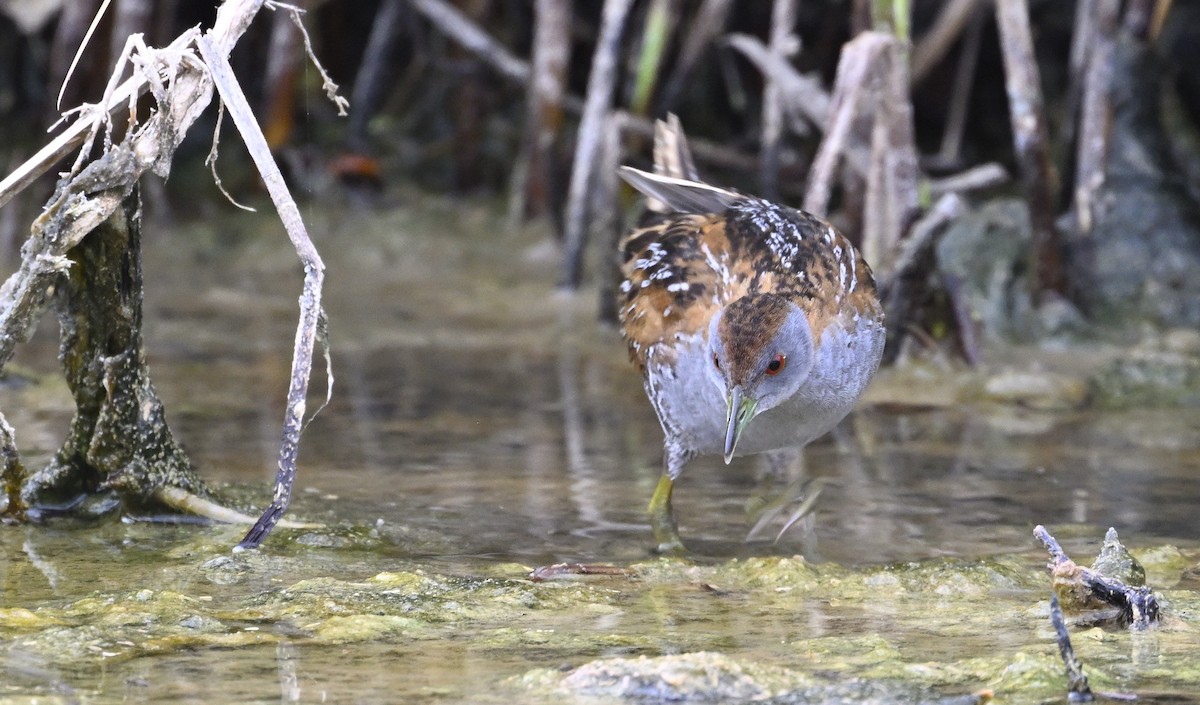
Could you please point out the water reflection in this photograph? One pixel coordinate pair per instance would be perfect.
(479, 413)
(480, 419)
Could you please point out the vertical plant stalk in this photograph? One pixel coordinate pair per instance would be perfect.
(532, 178)
(12, 473)
(310, 300)
(1022, 82)
(374, 73)
(1096, 112)
(661, 20)
(892, 199)
(950, 150)
(852, 82)
(872, 82)
(891, 17)
(606, 205)
(782, 43)
(587, 144)
(703, 30)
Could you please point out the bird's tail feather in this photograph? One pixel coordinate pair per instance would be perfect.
(672, 156)
(679, 195)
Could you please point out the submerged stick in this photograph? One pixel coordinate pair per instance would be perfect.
(310, 300)
(184, 501)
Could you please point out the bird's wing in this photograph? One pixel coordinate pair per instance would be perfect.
(676, 277)
(795, 253)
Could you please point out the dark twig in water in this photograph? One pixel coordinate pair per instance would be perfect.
(1077, 682)
(1137, 606)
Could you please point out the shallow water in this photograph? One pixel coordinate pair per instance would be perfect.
(482, 424)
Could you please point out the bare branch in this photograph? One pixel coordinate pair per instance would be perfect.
(310, 300)
(451, 21)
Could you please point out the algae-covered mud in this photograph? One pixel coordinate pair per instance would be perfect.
(484, 426)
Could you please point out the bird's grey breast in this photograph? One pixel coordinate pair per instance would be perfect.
(689, 405)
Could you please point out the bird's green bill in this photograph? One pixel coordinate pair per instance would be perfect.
(741, 410)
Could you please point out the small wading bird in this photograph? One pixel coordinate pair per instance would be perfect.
(756, 326)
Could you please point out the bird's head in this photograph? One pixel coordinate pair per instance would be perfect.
(760, 350)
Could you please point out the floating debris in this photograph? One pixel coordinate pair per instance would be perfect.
(1081, 589)
(560, 571)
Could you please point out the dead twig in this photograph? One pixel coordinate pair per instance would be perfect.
(953, 19)
(567, 571)
(452, 22)
(182, 86)
(704, 28)
(180, 499)
(804, 99)
(310, 300)
(872, 81)
(976, 178)
(949, 153)
(532, 177)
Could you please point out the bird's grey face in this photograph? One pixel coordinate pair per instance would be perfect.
(758, 361)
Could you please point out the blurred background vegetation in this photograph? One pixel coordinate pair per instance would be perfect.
(482, 98)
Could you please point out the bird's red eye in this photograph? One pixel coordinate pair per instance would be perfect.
(716, 362)
(775, 366)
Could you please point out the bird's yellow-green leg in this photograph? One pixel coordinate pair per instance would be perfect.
(662, 518)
